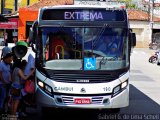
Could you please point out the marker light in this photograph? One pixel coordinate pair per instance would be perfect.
(48, 88)
(116, 89)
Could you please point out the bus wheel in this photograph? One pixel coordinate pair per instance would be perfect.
(45, 112)
(115, 110)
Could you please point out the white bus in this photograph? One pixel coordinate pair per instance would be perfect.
(75, 64)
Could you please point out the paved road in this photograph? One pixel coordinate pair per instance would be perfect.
(144, 85)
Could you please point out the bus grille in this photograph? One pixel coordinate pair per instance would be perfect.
(70, 100)
(81, 77)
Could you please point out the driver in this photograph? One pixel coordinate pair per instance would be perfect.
(113, 49)
(108, 46)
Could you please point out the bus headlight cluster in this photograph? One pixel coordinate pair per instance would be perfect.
(44, 87)
(119, 88)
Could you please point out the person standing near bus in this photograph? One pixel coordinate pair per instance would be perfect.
(5, 50)
(5, 79)
(18, 77)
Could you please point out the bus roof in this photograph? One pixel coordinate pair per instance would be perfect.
(83, 6)
(71, 6)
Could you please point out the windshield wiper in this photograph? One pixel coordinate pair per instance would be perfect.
(99, 36)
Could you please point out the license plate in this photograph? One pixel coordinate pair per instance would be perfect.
(82, 101)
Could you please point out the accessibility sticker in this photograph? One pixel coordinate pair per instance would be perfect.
(89, 63)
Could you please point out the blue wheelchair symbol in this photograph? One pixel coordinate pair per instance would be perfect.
(89, 64)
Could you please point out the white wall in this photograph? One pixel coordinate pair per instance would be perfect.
(143, 32)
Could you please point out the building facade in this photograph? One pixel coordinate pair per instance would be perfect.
(143, 27)
(139, 21)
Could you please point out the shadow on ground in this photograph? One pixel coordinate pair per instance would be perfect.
(141, 108)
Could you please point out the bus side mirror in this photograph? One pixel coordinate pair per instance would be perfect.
(32, 39)
(32, 35)
(133, 39)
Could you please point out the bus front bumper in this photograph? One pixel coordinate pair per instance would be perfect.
(96, 101)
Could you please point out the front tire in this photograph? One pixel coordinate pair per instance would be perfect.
(154, 47)
(112, 110)
(115, 110)
(46, 113)
(152, 59)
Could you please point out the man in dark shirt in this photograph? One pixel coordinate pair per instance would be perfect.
(108, 46)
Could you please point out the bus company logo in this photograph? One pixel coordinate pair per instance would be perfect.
(83, 90)
(82, 81)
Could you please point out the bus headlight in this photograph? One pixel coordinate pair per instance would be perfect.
(40, 84)
(124, 84)
(45, 87)
(119, 88)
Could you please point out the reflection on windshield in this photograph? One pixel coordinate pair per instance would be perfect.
(104, 44)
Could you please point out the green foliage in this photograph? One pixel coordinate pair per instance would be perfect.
(129, 3)
(126, 1)
(131, 6)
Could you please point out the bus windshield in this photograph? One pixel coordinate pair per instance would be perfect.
(67, 48)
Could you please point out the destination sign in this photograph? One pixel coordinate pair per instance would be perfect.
(83, 15)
